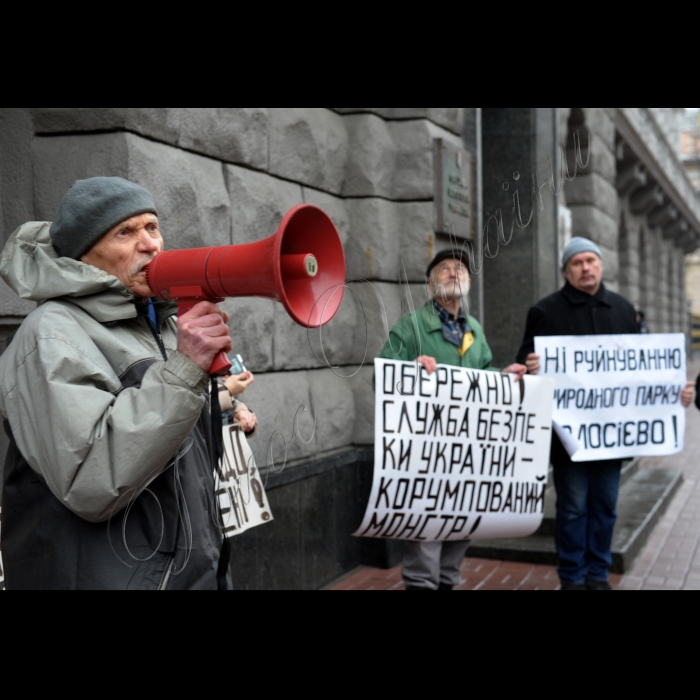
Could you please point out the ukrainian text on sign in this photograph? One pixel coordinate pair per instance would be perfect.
(617, 396)
(461, 454)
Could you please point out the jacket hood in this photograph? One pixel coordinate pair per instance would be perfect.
(33, 270)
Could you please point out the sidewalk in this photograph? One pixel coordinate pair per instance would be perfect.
(670, 561)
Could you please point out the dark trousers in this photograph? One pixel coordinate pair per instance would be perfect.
(586, 515)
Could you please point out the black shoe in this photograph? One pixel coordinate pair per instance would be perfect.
(598, 586)
(445, 587)
(573, 587)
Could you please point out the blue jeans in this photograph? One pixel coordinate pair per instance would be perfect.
(586, 514)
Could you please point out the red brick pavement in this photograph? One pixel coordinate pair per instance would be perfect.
(670, 560)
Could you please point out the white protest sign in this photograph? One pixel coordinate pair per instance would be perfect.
(462, 454)
(242, 499)
(617, 396)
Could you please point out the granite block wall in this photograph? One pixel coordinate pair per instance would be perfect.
(225, 176)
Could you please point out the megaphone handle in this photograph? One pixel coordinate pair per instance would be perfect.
(221, 365)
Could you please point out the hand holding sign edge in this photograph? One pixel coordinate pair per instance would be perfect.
(520, 370)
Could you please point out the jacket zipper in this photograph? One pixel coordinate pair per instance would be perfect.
(161, 346)
(166, 574)
(158, 337)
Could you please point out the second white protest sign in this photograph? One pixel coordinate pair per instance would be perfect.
(617, 396)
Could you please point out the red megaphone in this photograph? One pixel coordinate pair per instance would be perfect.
(300, 266)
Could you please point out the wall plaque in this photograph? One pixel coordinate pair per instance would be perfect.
(454, 190)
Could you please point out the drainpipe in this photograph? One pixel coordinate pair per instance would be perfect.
(479, 211)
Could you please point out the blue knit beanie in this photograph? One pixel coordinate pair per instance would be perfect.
(579, 245)
(92, 208)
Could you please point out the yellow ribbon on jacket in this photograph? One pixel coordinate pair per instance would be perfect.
(467, 342)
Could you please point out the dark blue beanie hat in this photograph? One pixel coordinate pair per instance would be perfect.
(92, 208)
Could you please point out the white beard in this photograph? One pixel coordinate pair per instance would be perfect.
(439, 293)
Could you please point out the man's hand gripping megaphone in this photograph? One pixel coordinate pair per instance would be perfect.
(203, 334)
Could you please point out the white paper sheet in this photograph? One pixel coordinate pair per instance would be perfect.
(617, 396)
(463, 454)
(242, 499)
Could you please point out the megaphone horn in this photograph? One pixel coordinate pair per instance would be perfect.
(297, 266)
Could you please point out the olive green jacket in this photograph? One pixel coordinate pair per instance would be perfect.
(424, 325)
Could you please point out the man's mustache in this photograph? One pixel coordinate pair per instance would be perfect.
(141, 264)
(458, 290)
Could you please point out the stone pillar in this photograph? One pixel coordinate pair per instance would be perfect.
(646, 280)
(684, 307)
(629, 260)
(672, 289)
(663, 295)
(592, 196)
(472, 143)
(517, 146)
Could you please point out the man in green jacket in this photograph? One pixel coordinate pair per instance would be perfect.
(441, 333)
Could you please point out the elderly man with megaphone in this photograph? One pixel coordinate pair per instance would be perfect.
(114, 438)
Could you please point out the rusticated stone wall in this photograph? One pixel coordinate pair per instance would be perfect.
(227, 176)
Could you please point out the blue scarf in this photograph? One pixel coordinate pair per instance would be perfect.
(454, 331)
(152, 313)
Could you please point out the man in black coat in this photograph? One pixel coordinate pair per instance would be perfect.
(586, 491)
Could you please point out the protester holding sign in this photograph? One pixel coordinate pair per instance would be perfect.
(586, 491)
(441, 333)
(232, 409)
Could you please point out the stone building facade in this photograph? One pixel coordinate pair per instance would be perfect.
(689, 145)
(228, 175)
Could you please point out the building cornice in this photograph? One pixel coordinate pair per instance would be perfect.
(642, 133)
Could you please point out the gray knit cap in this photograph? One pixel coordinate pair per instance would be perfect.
(579, 245)
(91, 208)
